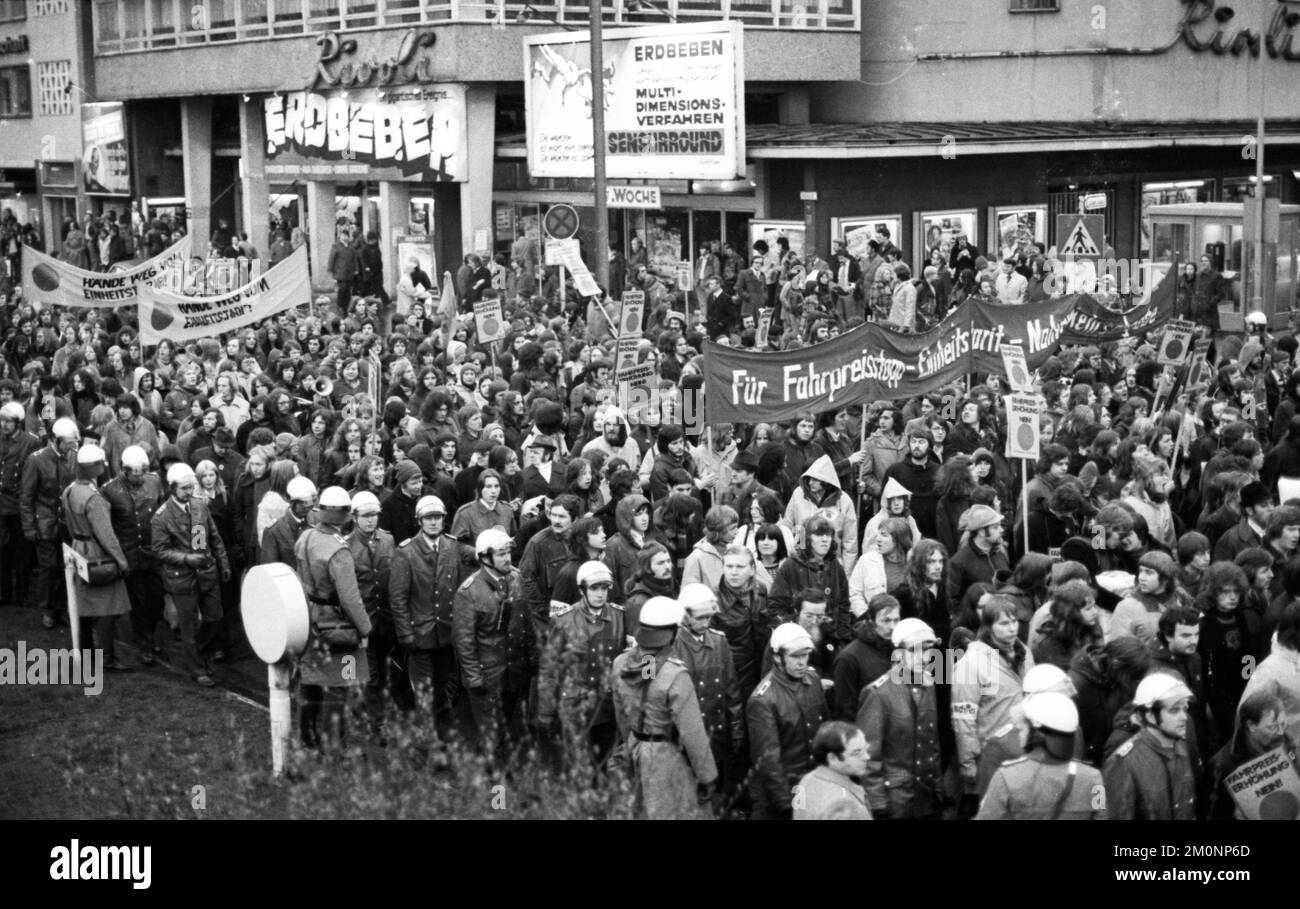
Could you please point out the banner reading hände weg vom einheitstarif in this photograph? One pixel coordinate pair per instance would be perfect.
(180, 318)
(674, 103)
(51, 281)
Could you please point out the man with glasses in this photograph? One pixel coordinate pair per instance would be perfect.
(830, 792)
(900, 717)
(706, 654)
(574, 681)
(1150, 776)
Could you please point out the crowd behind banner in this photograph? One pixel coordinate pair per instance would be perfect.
(833, 614)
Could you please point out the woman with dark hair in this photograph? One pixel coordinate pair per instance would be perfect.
(1229, 633)
(815, 564)
(512, 419)
(681, 526)
(972, 429)
(771, 469)
(580, 481)
(435, 419)
(1027, 587)
(506, 463)
(953, 487)
(986, 687)
(1074, 624)
(1105, 677)
(83, 395)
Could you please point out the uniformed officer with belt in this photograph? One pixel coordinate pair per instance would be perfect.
(707, 656)
(899, 715)
(334, 665)
(659, 719)
(133, 496)
(45, 475)
(1150, 777)
(783, 714)
(483, 614)
(16, 446)
(1048, 783)
(372, 554)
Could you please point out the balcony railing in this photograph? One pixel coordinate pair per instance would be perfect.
(125, 26)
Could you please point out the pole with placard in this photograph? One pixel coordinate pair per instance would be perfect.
(1023, 442)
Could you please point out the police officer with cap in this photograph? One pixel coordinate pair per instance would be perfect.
(574, 678)
(101, 598)
(16, 446)
(279, 543)
(427, 570)
(45, 475)
(707, 656)
(185, 541)
(483, 625)
(783, 715)
(1150, 776)
(133, 496)
(372, 555)
(335, 660)
(659, 719)
(1048, 783)
(899, 715)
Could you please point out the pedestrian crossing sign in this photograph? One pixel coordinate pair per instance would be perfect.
(1080, 236)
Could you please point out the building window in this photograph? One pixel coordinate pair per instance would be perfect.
(13, 10)
(15, 91)
(51, 7)
(52, 80)
(1035, 6)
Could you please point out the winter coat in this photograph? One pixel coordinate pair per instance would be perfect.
(280, 538)
(13, 455)
(920, 480)
(985, 688)
(1097, 699)
(971, 566)
(622, 548)
(833, 504)
(883, 450)
(539, 569)
(132, 508)
(829, 796)
(421, 589)
(1149, 778)
(90, 524)
(783, 716)
(1279, 672)
(743, 616)
(901, 724)
(796, 573)
(867, 657)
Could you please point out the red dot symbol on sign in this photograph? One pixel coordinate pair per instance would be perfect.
(1025, 436)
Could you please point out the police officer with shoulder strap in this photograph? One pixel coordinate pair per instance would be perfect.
(1150, 777)
(372, 553)
(659, 719)
(1048, 783)
(335, 661)
(483, 617)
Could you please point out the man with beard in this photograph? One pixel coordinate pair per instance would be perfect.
(485, 512)
(129, 428)
(1150, 499)
(16, 446)
(200, 436)
(672, 455)
(133, 496)
(613, 438)
(258, 416)
(653, 578)
(918, 472)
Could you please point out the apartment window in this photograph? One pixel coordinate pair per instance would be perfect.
(13, 10)
(51, 7)
(15, 91)
(1035, 6)
(51, 84)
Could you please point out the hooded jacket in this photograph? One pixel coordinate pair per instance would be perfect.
(833, 503)
(622, 548)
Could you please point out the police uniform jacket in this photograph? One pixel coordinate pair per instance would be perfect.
(329, 580)
(708, 660)
(783, 715)
(1149, 777)
(482, 610)
(177, 531)
(91, 527)
(372, 557)
(658, 715)
(13, 455)
(580, 648)
(45, 475)
(901, 724)
(1039, 787)
(280, 538)
(422, 584)
(132, 509)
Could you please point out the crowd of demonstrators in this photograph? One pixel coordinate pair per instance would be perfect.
(835, 616)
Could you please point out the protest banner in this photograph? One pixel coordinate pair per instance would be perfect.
(49, 281)
(1017, 370)
(489, 323)
(1267, 788)
(181, 318)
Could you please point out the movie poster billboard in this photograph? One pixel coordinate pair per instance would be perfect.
(674, 103)
(105, 167)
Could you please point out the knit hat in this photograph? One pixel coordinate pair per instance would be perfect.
(406, 471)
(747, 461)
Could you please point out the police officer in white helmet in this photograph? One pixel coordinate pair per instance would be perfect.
(281, 538)
(133, 496)
(45, 475)
(485, 623)
(1048, 782)
(16, 446)
(373, 550)
(659, 719)
(1150, 776)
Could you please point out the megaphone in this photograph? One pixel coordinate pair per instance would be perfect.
(323, 387)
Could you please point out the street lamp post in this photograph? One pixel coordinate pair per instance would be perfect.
(601, 253)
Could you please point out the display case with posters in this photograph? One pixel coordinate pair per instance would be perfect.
(857, 232)
(940, 228)
(419, 247)
(1014, 227)
(793, 231)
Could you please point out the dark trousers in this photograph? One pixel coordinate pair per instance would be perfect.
(230, 631)
(435, 679)
(322, 715)
(47, 590)
(388, 677)
(16, 562)
(97, 633)
(199, 613)
(145, 590)
(345, 297)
